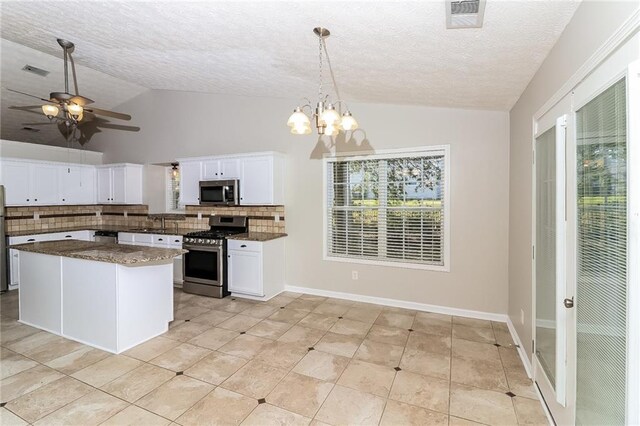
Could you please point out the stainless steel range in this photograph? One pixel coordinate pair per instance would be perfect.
(205, 265)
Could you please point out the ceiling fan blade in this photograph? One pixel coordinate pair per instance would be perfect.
(119, 127)
(48, 123)
(33, 96)
(81, 100)
(108, 113)
(33, 109)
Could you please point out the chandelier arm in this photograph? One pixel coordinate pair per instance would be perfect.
(333, 78)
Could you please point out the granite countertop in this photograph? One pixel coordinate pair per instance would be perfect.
(101, 252)
(257, 236)
(133, 229)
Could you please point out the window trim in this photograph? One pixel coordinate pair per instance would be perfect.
(387, 154)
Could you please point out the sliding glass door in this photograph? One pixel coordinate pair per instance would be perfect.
(586, 265)
(601, 267)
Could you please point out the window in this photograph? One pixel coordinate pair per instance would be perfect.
(389, 208)
(173, 189)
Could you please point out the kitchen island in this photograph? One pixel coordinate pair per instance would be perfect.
(105, 295)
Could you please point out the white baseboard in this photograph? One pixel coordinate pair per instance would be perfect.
(521, 348)
(400, 303)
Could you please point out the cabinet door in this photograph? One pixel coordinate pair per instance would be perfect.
(87, 186)
(44, 184)
(14, 267)
(211, 170)
(104, 185)
(230, 169)
(77, 185)
(245, 272)
(190, 176)
(119, 185)
(69, 181)
(15, 178)
(256, 184)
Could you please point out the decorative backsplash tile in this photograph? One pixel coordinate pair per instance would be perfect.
(39, 218)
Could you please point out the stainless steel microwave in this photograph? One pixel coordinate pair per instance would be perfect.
(220, 192)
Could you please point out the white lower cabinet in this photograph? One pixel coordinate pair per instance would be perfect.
(14, 255)
(255, 268)
(157, 240)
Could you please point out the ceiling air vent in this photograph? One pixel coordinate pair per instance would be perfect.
(30, 129)
(35, 70)
(465, 13)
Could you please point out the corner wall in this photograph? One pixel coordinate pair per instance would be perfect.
(592, 24)
(184, 124)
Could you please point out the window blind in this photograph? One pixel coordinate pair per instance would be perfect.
(601, 298)
(389, 208)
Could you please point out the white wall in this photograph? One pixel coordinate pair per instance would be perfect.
(592, 24)
(182, 124)
(32, 151)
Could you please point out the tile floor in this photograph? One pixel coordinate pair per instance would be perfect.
(296, 359)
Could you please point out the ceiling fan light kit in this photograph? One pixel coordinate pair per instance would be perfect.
(328, 120)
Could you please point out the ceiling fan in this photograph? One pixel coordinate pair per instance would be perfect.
(73, 113)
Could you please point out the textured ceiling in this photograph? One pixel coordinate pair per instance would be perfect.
(381, 51)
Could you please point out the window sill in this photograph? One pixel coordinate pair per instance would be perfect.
(402, 265)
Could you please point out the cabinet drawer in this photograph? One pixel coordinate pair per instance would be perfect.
(161, 240)
(125, 237)
(28, 239)
(175, 241)
(143, 238)
(242, 245)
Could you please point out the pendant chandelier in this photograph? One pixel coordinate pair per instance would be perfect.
(328, 120)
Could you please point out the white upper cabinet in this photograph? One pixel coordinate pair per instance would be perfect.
(190, 177)
(43, 184)
(77, 184)
(30, 183)
(228, 168)
(15, 178)
(120, 184)
(104, 185)
(261, 177)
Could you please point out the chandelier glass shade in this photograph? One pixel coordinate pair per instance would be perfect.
(327, 119)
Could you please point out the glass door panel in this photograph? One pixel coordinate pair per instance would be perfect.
(545, 255)
(601, 268)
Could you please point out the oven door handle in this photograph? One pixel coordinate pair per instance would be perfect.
(201, 248)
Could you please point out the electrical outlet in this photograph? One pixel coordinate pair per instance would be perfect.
(276, 218)
(354, 275)
(36, 216)
(97, 214)
(125, 215)
(522, 316)
(199, 215)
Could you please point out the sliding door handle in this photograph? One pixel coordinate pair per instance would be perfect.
(568, 303)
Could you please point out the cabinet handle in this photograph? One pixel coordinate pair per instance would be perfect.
(229, 256)
(176, 241)
(160, 239)
(221, 174)
(27, 199)
(67, 236)
(64, 199)
(35, 199)
(243, 245)
(31, 239)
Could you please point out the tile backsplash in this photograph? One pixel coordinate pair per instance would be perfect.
(44, 218)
